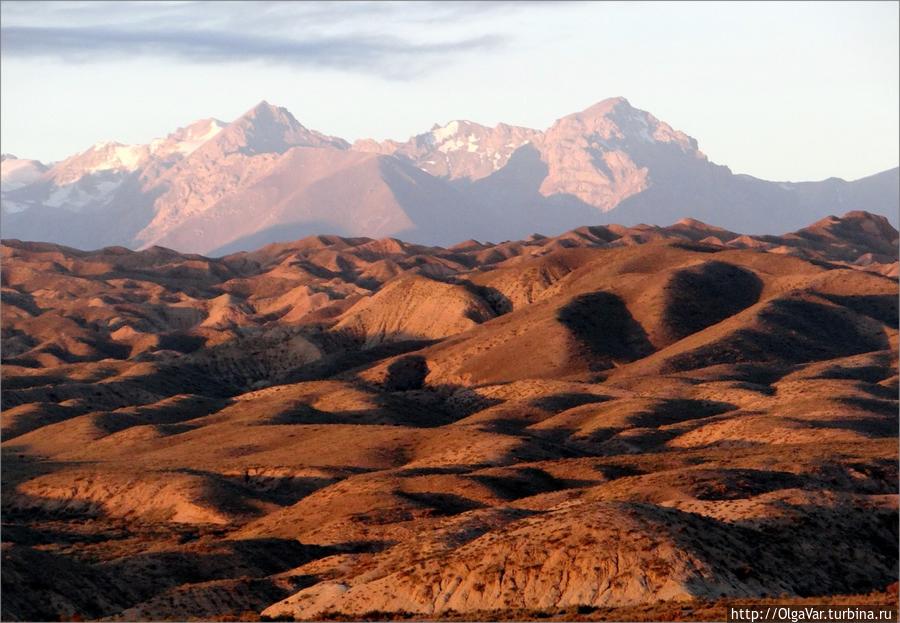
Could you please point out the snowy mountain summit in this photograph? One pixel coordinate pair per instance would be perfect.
(213, 187)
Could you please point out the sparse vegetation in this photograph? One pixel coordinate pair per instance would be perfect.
(305, 449)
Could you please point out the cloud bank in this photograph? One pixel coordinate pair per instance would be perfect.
(381, 38)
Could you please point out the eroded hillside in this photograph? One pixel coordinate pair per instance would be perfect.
(603, 421)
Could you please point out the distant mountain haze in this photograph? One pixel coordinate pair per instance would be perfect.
(215, 188)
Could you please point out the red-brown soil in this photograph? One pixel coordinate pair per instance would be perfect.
(613, 424)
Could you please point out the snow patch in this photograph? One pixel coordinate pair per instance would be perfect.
(130, 156)
(61, 196)
(117, 157)
(442, 134)
(16, 173)
(469, 144)
(188, 147)
(77, 196)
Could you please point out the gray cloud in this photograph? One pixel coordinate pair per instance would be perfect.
(376, 37)
(388, 56)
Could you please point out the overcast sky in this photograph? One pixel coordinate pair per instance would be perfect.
(782, 91)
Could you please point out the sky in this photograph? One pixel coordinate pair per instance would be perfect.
(779, 90)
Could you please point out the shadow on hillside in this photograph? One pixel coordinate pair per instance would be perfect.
(601, 322)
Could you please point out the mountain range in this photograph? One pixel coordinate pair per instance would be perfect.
(213, 187)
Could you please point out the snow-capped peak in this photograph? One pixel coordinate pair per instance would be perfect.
(441, 134)
(112, 156)
(456, 136)
(272, 129)
(186, 140)
(17, 172)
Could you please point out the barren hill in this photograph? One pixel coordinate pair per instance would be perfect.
(608, 421)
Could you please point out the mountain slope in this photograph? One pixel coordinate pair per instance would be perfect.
(18, 172)
(457, 150)
(307, 191)
(214, 187)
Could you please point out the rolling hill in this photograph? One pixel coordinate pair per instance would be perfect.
(610, 423)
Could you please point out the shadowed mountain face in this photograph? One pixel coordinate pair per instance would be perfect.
(616, 422)
(216, 188)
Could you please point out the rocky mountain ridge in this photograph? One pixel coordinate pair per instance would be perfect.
(214, 188)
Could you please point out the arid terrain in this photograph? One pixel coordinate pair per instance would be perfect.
(616, 422)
